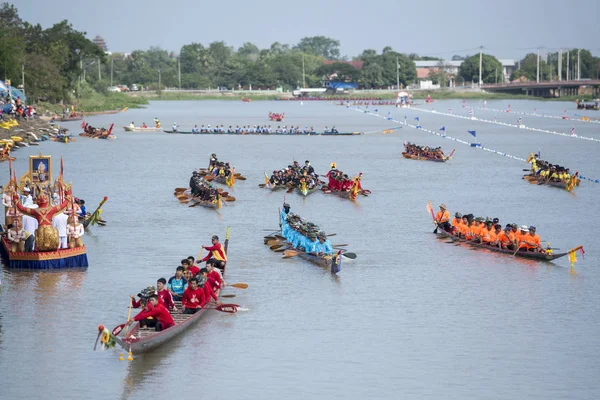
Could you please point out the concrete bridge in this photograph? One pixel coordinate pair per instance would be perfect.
(547, 88)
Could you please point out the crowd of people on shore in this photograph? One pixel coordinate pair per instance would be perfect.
(192, 285)
(544, 171)
(295, 175)
(14, 107)
(303, 235)
(423, 151)
(489, 231)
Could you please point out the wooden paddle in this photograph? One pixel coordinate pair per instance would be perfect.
(276, 246)
(290, 253)
(281, 250)
(228, 308)
(240, 285)
(241, 178)
(351, 256)
(229, 198)
(262, 185)
(228, 295)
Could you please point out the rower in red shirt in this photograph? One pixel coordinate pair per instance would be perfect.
(164, 294)
(158, 312)
(193, 298)
(207, 285)
(144, 296)
(215, 251)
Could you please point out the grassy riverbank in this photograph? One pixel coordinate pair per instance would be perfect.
(95, 102)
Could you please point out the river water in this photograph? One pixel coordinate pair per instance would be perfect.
(412, 317)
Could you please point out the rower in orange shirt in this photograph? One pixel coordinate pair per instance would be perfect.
(496, 235)
(456, 222)
(507, 239)
(463, 227)
(476, 229)
(442, 218)
(532, 240)
(470, 231)
(487, 235)
(521, 238)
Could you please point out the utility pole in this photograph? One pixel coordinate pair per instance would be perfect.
(568, 64)
(578, 65)
(112, 62)
(538, 67)
(303, 74)
(560, 64)
(159, 85)
(99, 73)
(81, 68)
(23, 77)
(179, 71)
(480, 65)
(397, 73)
(496, 75)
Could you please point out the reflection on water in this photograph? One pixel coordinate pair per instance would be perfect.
(410, 317)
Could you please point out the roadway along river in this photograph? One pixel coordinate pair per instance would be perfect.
(412, 317)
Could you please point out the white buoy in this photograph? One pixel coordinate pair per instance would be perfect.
(301, 103)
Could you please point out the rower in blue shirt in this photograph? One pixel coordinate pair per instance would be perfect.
(326, 244)
(311, 243)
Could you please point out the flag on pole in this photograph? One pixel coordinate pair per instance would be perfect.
(519, 121)
(573, 132)
(443, 129)
(470, 112)
(405, 123)
(62, 167)
(474, 133)
(417, 119)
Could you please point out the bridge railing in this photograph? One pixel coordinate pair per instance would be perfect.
(581, 82)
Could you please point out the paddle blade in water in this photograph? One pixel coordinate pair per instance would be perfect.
(228, 308)
(351, 256)
(240, 285)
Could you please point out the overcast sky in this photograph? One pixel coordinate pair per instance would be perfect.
(506, 28)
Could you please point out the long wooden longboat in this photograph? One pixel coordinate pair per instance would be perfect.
(559, 185)
(415, 157)
(140, 129)
(140, 340)
(244, 133)
(522, 254)
(306, 191)
(332, 263)
(208, 203)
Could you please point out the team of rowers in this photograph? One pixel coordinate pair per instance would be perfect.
(423, 151)
(192, 285)
(202, 189)
(220, 168)
(100, 133)
(338, 181)
(295, 176)
(302, 235)
(489, 232)
(260, 129)
(545, 171)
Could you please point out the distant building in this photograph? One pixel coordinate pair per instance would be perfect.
(98, 41)
(452, 66)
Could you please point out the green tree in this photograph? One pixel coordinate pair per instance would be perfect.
(320, 46)
(390, 62)
(372, 76)
(339, 71)
(469, 69)
(12, 51)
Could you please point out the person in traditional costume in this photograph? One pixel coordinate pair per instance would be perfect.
(46, 236)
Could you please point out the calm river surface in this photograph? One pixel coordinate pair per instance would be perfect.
(413, 317)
